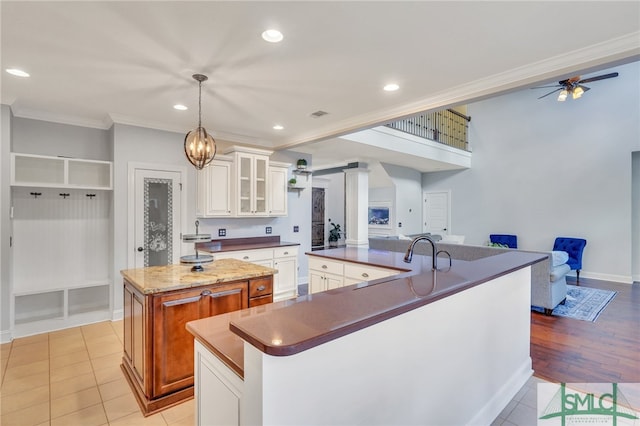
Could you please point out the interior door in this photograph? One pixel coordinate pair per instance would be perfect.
(156, 217)
(317, 217)
(436, 212)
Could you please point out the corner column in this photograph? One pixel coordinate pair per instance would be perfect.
(357, 204)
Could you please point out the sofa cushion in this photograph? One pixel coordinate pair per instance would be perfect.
(559, 258)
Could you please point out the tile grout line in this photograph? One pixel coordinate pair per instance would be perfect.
(93, 371)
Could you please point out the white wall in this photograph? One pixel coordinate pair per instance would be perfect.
(635, 216)
(5, 222)
(408, 190)
(543, 169)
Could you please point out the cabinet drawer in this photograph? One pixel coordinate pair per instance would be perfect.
(258, 288)
(247, 255)
(263, 300)
(366, 273)
(324, 265)
(285, 251)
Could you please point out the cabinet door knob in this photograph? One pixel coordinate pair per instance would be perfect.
(324, 266)
(365, 275)
(140, 248)
(205, 292)
(261, 288)
(286, 253)
(246, 257)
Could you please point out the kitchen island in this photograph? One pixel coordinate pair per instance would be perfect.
(423, 347)
(159, 301)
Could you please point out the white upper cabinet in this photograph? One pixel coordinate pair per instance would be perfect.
(214, 189)
(242, 183)
(60, 172)
(278, 173)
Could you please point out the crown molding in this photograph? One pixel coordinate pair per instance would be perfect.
(613, 52)
(59, 118)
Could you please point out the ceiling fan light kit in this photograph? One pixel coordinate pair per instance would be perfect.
(574, 85)
(199, 146)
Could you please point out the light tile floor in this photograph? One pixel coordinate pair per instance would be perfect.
(73, 377)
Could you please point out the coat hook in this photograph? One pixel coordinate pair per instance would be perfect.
(35, 194)
(91, 196)
(64, 195)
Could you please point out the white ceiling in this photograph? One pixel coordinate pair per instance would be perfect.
(94, 63)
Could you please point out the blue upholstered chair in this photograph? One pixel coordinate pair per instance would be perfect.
(574, 247)
(510, 241)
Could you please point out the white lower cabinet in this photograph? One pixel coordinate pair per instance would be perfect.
(218, 390)
(284, 259)
(325, 274)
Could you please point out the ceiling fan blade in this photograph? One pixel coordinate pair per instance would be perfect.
(554, 91)
(600, 77)
(585, 88)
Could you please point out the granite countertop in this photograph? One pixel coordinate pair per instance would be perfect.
(288, 327)
(157, 279)
(234, 244)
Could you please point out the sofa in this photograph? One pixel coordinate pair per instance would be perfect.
(548, 278)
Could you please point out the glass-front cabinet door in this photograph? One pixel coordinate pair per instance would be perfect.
(261, 164)
(245, 177)
(252, 184)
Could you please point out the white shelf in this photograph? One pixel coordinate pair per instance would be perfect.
(59, 172)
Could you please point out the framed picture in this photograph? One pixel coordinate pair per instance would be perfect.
(380, 215)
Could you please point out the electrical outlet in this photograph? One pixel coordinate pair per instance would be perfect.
(296, 228)
(268, 230)
(222, 232)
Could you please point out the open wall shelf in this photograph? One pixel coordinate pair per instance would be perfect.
(60, 172)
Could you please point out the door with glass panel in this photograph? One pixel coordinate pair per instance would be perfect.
(156, 217)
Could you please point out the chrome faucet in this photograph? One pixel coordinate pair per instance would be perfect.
(409, 255)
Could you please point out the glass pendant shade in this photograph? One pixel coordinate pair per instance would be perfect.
(562, 96)
(199, 146)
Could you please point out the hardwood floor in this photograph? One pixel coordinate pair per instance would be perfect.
(607, 350)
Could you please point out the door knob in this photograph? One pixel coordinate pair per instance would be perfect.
(140, 248)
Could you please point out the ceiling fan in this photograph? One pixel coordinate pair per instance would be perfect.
(574, 86)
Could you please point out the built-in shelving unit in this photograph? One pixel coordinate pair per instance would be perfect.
(60, 172)
(61, 246)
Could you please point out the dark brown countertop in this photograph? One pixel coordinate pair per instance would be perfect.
(235, 244)
(288, 327)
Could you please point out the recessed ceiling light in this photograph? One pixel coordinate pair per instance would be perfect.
(391, 87)
(272, 36)
(17, 72)
(180, 107)
(278, 127)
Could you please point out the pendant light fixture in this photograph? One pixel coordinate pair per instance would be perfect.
(199, 146)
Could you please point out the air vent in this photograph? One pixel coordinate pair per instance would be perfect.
(318, 114)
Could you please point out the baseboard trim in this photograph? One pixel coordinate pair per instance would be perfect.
(624, 279)
(504, 395)
(5, 336)
(117, 315)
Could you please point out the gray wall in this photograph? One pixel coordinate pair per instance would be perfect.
(47, 138)
(543, 168)
(153, 147)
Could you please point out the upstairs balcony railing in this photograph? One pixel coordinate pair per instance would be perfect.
(448, 127)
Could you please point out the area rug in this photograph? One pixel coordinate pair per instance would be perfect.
(583, 303)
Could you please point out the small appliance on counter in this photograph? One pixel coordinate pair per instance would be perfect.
(198, 259)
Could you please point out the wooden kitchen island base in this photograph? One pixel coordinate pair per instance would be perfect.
(159, 301)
